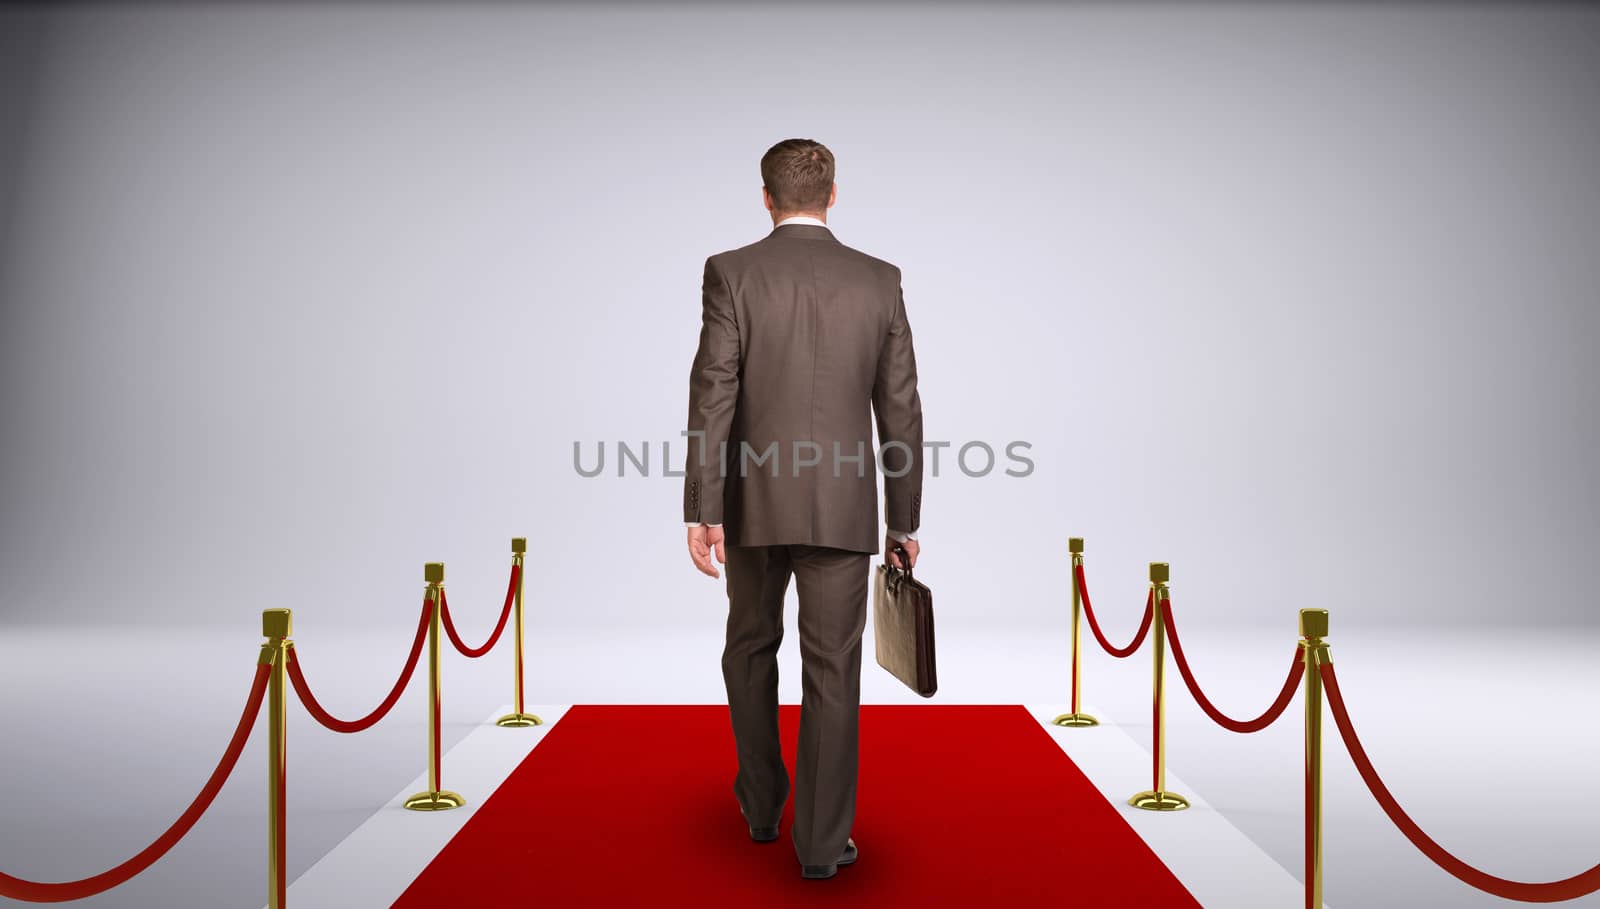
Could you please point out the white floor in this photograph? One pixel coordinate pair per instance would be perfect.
(1214, 859)
(399, 839)
(1480, 732)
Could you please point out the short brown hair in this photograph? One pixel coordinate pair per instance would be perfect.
(798, 174)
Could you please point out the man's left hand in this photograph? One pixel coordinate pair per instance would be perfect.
(901, 555)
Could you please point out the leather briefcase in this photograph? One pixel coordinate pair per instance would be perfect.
(902, 620)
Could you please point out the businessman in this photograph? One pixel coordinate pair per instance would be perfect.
(803, 341)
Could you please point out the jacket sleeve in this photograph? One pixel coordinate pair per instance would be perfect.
(713, 393)
(899, 413)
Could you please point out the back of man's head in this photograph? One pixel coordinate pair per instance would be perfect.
(798, 175)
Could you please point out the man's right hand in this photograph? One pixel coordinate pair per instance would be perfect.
(702, 540)
(910, 548)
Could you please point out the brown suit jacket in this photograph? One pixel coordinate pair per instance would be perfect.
(800, 335)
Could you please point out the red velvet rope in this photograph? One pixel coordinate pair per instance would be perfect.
(33, 892)
(337, 725)
(1094, 626)
(1296, 672)
(1549, 892)
(450, 627)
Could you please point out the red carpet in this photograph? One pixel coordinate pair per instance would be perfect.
(956, 806)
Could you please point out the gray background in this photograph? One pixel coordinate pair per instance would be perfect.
(294, 298)
(1294, 298)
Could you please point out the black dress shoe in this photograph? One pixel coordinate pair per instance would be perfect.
(760, 834)
(848, 857)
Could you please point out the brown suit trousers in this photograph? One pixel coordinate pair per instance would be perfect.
(832, 586)
(803, 341)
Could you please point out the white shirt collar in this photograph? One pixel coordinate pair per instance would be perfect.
(801, 219)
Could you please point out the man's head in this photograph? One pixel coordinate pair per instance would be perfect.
(797, 179)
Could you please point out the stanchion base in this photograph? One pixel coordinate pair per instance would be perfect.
(1151, 800)
(1076, 720)
(435, 801)
(519, 719)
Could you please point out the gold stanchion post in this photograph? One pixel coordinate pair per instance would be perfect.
(1313, 628)
(276, 626)
(434, 798)
(1077, 717)
(518, 717)
(1158, 798)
